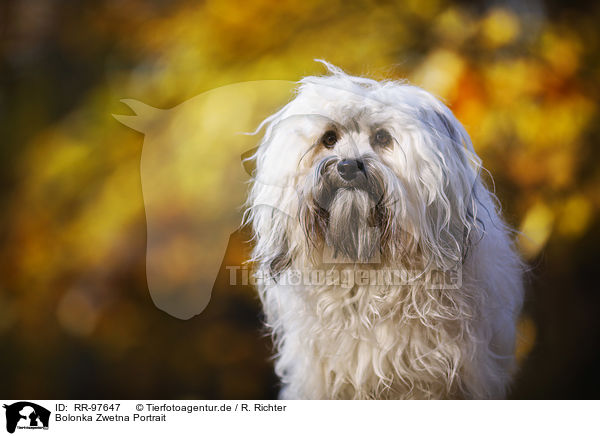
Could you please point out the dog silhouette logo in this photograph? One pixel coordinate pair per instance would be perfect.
(194, 176)
(26, 415)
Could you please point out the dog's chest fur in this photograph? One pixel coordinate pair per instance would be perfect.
(347, 340)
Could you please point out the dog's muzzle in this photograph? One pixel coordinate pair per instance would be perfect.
(344, 207)
(348, 169)
(355, 174)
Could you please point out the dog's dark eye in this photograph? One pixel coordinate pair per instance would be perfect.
(329, 138)
(382, 138)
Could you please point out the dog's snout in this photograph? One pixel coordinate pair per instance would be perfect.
(349, 168)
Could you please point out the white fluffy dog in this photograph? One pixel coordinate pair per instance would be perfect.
(378, 203)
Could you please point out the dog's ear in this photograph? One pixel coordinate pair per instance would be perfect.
(280, 262)
(270, 252)
(455, 219)
(447, 130)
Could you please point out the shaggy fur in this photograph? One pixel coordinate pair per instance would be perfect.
(350, 273)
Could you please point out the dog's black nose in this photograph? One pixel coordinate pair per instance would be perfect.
(349, 168)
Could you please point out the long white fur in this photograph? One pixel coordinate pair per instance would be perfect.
(385, 340)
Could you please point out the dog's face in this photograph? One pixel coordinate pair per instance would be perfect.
(348, 184)
(376, 170)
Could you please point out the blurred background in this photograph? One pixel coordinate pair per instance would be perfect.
(76, 319)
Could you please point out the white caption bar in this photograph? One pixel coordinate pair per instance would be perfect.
(157, 417)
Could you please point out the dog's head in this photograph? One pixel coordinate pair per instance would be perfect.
(369, 170)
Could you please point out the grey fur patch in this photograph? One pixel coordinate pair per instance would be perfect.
(349, 232)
